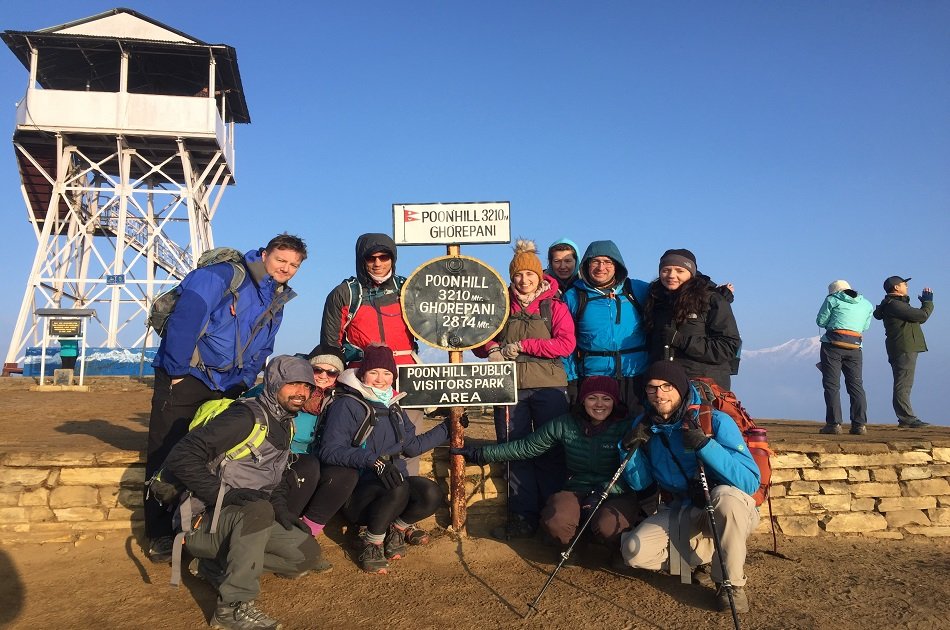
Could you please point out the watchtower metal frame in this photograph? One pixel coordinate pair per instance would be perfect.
(125, 144)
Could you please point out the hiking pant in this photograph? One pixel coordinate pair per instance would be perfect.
(903, 365)
(172, 411)
(319, 494)
(647, 546)
(566, 511)
(834, 361)
(376, 506)
(247, 543)
(532, 481)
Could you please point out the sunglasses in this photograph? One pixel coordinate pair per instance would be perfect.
(379, 257)
(331, 372)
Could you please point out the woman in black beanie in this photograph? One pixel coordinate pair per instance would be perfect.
(690, 321)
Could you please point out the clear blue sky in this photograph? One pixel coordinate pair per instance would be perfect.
(787, 144)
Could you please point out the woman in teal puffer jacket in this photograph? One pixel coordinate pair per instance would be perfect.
(589, 433)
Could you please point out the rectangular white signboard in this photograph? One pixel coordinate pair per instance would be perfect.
(451, 223)
(458, 384)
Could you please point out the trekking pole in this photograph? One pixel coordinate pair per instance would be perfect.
(567, 552)
(717, 542)
(507, 475)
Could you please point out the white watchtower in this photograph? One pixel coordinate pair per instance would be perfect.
(125, 143)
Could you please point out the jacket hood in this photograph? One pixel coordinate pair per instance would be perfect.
(281, 370)
(848, 295)
(603, 248)
(370, 244)
(349, 378)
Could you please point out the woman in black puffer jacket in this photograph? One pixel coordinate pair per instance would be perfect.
(690, 321)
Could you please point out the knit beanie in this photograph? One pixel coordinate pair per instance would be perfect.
(679, 258)
(838, 285)
(671, 372)
(376, 356)
(327, 355)
(526, 259)
(600, 385)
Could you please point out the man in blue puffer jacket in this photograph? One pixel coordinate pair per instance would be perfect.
(606, 306)
(200, 358)
(844, 315)
(669, 448)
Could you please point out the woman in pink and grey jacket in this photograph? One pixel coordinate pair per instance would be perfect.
(539, 333)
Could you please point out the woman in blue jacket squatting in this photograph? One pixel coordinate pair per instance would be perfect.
(366, 430)
(669, 447)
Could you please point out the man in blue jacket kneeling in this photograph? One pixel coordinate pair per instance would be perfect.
(670, 446)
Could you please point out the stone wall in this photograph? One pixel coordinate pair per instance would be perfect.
(872, 489)
(53, 497)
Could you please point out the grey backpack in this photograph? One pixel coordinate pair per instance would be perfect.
(164, 303)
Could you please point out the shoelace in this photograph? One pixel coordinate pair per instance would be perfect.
(252, 612)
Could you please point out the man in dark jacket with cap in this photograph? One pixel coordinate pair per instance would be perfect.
(255, 531)
(904, 341)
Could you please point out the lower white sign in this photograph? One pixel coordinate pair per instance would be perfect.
(458, 384)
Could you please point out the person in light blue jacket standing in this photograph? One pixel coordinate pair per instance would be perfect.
(606, 305)
(844, 315)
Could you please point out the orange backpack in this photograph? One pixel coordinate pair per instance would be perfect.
(714, 397)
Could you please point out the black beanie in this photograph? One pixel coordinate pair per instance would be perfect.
(679, 258)
(671, 372)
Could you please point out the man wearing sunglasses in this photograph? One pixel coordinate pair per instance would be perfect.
(365, 309)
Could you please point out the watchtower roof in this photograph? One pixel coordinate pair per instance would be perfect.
(84, 54)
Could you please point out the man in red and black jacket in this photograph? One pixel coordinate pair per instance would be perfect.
(365, 309)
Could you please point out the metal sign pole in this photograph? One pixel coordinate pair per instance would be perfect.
(457, 440)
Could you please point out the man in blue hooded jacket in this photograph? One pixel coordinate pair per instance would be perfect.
(669, 448)
(606, 306)
(214, 346)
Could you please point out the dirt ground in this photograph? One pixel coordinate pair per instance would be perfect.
(452, 582)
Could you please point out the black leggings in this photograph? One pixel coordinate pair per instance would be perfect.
(319, 494)
(376, 506)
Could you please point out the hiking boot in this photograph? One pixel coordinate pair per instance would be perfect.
(739, 598)
(395, 545)
(830, 429)
(913, 424)
(858, 429)
(373, 558)
(242, 616)
(702, 575)
(160, 549)
(516, 527)
(416, 536)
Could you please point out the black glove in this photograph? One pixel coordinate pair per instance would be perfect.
(694, 438)
(927, 296)
(463, 420)
(234, 392)
(287, 519)
(472, 454)
(243, 496)
(389, 474)
(637, 436)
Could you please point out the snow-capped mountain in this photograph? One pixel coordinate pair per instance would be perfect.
(783, 382)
